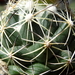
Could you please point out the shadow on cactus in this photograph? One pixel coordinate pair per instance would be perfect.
(8, 33)
(11, 56)
(47, 45)
(66, 62)
(34, 38)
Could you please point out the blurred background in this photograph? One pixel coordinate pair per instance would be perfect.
(72, 4)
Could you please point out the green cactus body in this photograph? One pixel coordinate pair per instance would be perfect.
(37, 38)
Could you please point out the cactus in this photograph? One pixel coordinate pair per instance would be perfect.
(37, 38)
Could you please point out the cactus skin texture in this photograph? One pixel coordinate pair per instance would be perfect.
(37, 38)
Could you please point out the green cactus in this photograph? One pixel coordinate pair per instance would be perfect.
(37, 38)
